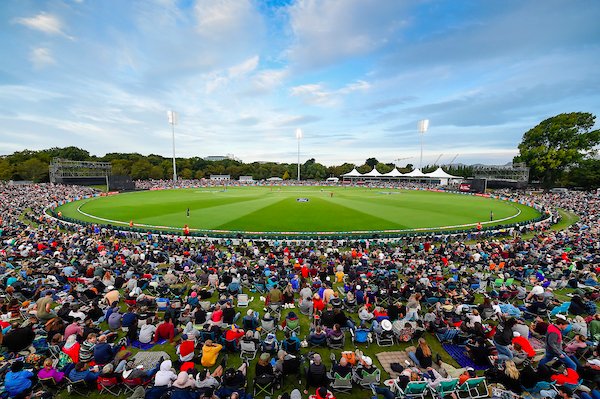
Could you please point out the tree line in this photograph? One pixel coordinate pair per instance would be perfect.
(33, 165)
(561, 151)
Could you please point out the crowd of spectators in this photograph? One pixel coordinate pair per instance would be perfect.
(76, 300)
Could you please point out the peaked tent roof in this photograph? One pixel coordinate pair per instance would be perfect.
(439, 173)
(352, 173)
(415, 173)
(393, 173)
(373, 173)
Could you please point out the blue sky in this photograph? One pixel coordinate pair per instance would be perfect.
(354, 75)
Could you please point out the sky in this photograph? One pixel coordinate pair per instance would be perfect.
(355, 76)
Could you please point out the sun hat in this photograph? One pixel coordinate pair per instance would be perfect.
(386, 325)
(367, 361)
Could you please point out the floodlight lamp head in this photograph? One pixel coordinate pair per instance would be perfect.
(299, 133)
(172, 115)
(423, 125)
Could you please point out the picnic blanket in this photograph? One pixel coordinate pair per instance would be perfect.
(459, 354)
(536, 343)
(387, 358)
(149, 359)
(145, 347)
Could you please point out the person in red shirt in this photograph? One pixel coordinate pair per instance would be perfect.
(318, 304)
(524, 344)
(568, 376)
(234, 334)
(185, 350)
(165, 330)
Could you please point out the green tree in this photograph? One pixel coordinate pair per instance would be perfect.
(33, 169)
(140, 170)
(157, 172)
(372, 162)
(383, 167)
(6, 169)
(586, 175)
(286, 175)
(558, 143)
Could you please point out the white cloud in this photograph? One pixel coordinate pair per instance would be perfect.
(41, 57)
(47, 23)
(219, 79)
(243, 68)
(316, 94)
(332, 30)
(227, 20)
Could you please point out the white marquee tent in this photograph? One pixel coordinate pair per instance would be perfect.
(438, 175)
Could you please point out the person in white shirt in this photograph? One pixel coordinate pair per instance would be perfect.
(147, 332)
(165, 376)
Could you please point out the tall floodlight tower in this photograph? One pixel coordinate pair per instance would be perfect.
(422, 126)
(298, 137)
(173, 121)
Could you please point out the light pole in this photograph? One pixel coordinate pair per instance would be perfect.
(298, 137)
(173, 121)
(422, 126)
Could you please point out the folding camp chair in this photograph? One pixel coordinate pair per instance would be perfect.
(292, 326)
(474, 388)
(248, 350)
(243, 300)
(49, 384)
(267, 326)
(79, 387)
(109, 385)
(414, 389)
(131, 384)
(341, 384)
(384, 338)
(445, 388)
(275, 310)
(360, 336)
(264, 384)
(367, 378)
(292, 366)
(336, 342)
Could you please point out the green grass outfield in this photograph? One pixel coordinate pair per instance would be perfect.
(276, 209)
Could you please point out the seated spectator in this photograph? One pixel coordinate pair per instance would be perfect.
(165, 376)
(291, 343)
(72, 348)
(422, 356)
(147, 331)
(316, 373)
(234, 334)
(185, 349)
(578, 343)
(568, 376)
(270, 344)
(210, 352)
(342, 369)
(184, 381)
(510, 377)
(18, 380)
(104, 352)
(235, 379)
(165, 330)
(263, 366)
(48, 371)
(250, 321)
(19, 338)
(318, 336)
(83, 372)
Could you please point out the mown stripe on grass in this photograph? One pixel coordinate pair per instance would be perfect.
(315, 215)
